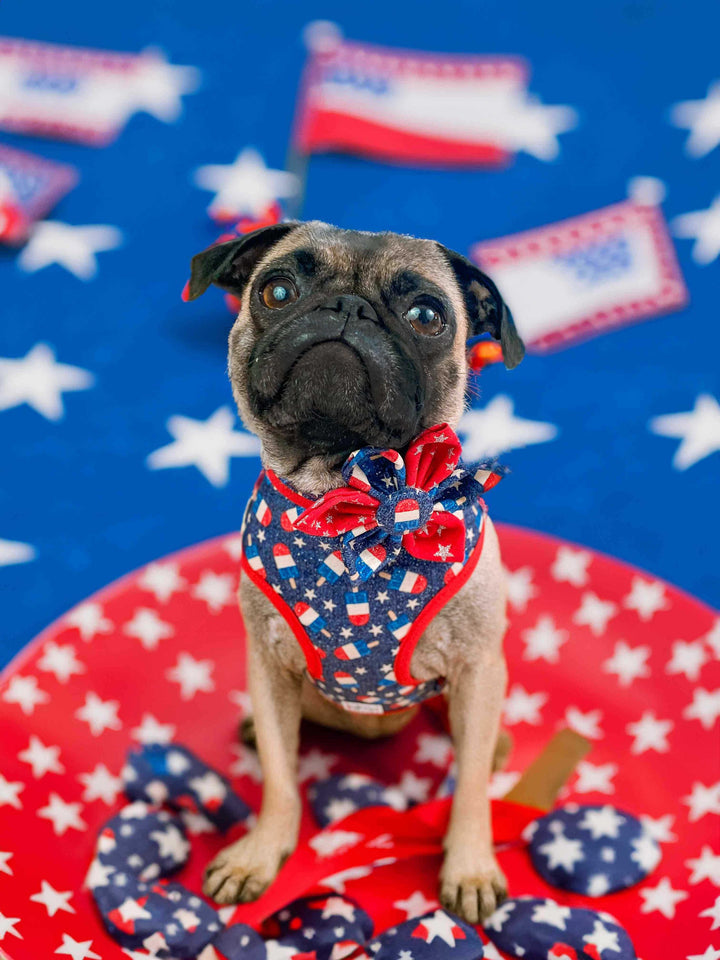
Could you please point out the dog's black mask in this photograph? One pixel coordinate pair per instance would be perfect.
(349, 339)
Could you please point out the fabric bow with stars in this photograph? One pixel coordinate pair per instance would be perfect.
(390, 501)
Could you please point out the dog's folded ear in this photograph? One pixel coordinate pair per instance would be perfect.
(486, 309)
(229, 265)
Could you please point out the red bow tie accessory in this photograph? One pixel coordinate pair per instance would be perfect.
(392, 502)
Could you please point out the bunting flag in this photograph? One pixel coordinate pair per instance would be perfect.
(30, 186)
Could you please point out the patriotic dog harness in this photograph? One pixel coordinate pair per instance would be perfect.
(360, 572)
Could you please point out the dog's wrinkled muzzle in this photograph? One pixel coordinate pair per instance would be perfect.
(335, 379)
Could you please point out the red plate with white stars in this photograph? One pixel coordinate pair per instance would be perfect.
(626, 660)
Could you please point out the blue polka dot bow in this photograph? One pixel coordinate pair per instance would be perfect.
(393, 502)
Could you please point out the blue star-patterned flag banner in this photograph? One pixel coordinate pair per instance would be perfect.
(536, 929)
(591, 849)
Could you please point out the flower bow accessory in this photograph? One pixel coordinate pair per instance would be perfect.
(415, 502)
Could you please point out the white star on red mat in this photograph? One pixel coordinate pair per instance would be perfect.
(69, 246)
(100, 784)
(25, 693)
(660, 828)
(646, 597)
(649, 733)
(7, 925)
(705, 867)
(413, 787)
(712, 638)
(710, 954)
(703, 800)
(687, 658)
(192, 675)
(699, 428)
(152, 731)
(241, 699)
(208, 445)
(52, 899)
(9, 790)
(338, 881)
(702, 119)
(628, 663)
(415, 905)
(13, 551)
(162, 580)
(594, 777)
(90, 620)
(147, 627)
(62, 815)
(523, 707)
(246, 187)
(502, 782)
(4, 866)
(496, 429)
(645, 853)
(337, 907)
(233, 546)
(586, 724)
(570, 566)
(543, 641)
(594, 613)
(713, 913)
(662, 898)
(42, 759)
(60, 660)
(328, 842)
(433, 748)
(100, 715)
(38, 380)
(77, 949)
(705, 707)
(520, 588)
(217, 590)
(247, 763)
(315, 765)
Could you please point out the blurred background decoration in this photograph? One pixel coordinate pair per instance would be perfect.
(563, 149)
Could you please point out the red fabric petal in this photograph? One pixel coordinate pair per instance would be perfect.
(432, 457)
(442, 539)
(338, 511)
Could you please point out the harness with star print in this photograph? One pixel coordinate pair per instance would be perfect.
(359, 573)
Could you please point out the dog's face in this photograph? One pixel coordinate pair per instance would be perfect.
(348, 339)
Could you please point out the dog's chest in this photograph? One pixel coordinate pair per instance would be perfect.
(357, 636)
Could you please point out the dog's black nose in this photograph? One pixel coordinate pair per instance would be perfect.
(354, 308)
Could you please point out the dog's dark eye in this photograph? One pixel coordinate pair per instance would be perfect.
(425, 319)
(279, 293)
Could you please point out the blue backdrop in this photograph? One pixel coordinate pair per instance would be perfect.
(79, 489)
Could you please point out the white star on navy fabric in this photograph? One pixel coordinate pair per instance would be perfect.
(702, 119)
(602, 938)
(605, 822)
(246, 187)
(496, 429)
(698, 429)
(562, 851)
(552, 914)
(71, 247)
(52, 899)
(38, 380)
(42, 759)
(13, 551)
(208, 445)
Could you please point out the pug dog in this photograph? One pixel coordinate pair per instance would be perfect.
(346, 340)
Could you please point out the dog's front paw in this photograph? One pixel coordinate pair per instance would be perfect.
(471, 886)
(244, 870)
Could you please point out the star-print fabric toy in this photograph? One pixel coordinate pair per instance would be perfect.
(536, 929)
(360, 572)
(592, 850)
(325, 927)
(336, 797)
